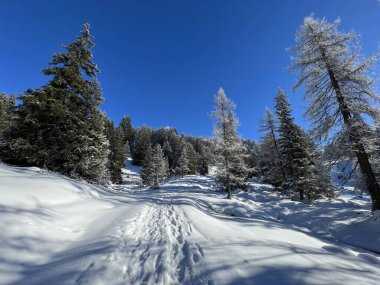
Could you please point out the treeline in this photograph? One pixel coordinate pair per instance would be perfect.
(60, 126)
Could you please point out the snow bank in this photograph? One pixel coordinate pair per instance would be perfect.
(41, 213)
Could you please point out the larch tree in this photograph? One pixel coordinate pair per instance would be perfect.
(340, 93)
(229, 149)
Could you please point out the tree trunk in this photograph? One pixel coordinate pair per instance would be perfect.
(229, 195)
(358, 147)
(278, 155)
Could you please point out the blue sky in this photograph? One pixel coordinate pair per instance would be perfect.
(162, 61)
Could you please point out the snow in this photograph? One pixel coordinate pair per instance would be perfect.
(55, 230)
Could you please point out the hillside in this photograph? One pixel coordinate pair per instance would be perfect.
(55, 230)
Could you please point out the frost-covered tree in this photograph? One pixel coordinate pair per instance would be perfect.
(117, 155)
(7, 111)
(142, 143)
(271, 161)
(183, 161)
(192, 159)
(287, 133)
(339, 91)
(229, 149)
(154, 169)
(59, 126)
(168, 152)
(202, 160)
(127, 129)
(127, 150)
(299, 155)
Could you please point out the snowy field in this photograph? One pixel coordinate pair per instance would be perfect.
(54, 230)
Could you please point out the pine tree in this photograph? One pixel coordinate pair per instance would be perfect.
(117, 157)
(276, 175)
(192, 158)
(141, 145)
(60, 126)
(127, 129)
(147, 168)
(183, 161)
(3, 112)
(231, 168)
(154, 169)
(168, 152)
(127, 150)
(202, 161)
(338, 90)
(299, 155)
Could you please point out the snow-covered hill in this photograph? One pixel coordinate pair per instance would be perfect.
(54, 230)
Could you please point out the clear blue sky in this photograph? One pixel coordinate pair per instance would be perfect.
(162, 61)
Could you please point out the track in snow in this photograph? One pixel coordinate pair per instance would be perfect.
(159, 251)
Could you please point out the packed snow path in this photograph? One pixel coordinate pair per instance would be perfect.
(58, 231)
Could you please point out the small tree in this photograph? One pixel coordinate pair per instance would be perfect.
(154, 169)
(229, 149)
(183, 162)
(141, 145)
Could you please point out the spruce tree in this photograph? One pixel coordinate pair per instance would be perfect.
(142, 143)
(339, 91)
(192, 159)
(3, 112)
(268, 126)
(183, 161)
(147, 168)
(117, 157)
(60, 126)
(299, 155)
(230, 151)
(127, 129)
(154, 168)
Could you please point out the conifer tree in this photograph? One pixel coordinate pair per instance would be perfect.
(3, 112)
(202, 161)
(141, 145)
(230, 151)
(192, 159)
(127, 150)
(299, 155)
(339, 91)
(268, 126)
(286, 132)
(117, 157)
(127, 129)
(183, 161)
(60, 126)
(168, 152)
(154, 169)
(147, 167)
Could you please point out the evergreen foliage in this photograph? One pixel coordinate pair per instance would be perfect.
(155, 167)
(59, 126)
(142, 144)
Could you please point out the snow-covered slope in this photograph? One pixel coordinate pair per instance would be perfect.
(54, 230)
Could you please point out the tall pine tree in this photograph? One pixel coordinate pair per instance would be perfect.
(60, 126)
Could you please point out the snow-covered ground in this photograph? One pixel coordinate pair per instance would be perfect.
(54, 230)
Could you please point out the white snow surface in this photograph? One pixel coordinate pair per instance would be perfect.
(55, 230)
